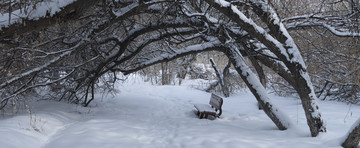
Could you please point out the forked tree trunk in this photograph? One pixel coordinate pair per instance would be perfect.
(353, 137)
(279, 119)
(279, 42)
(260, 72)
(224, 86)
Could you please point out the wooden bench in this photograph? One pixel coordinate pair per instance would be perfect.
(214, 109)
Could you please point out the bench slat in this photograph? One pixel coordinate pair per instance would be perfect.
(205, 109)
(216, 101)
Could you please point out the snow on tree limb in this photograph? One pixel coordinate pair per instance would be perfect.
(283, 46)
(211, 45)
(42, 67)
(255, 86)
(332, 29)
(252, 28)
(336, 25)
(45, 17)
(42, 9)
(131, 35)
(278, 30)
(134, 52)
(135, 5)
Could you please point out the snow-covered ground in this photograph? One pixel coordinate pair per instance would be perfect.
(146, 116)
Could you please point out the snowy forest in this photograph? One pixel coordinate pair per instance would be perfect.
(72, 50)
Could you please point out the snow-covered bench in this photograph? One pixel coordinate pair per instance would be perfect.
(214, 109)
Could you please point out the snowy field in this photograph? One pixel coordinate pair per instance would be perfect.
(146, 116)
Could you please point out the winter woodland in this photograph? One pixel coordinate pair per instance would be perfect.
(71, 50)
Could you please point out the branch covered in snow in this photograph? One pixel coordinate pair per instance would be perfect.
(35, 12)
(279, 42)
(41, 15)
(336, 25)
(212, 45)
(255, 86)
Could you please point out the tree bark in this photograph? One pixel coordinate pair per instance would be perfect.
(70, 12)
(353, 137)
(260, 72)
(302, 80)
(279, 42)
(221, 78)
(308, 100)
(279, 119)
(226, 74)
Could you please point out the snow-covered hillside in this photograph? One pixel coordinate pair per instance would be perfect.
(146, 116)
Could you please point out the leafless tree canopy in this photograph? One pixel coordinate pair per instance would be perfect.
(80, 49)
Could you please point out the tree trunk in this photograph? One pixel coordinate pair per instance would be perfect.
(279, 42)
(279, 119)
(308, 100)
(353, 137)
(226, 74)
(70, 12)
(294, 62)
(260, 72)
(165, 78)
(224, 87)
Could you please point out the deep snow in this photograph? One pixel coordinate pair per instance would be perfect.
(146, 116)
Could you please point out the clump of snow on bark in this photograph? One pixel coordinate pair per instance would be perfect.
(223, 3)
(42, 9)
(312, 95)
(126, 9)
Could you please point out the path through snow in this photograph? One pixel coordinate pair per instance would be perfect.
(145, 116)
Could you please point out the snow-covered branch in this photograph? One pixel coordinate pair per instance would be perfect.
(42, 67)
(212, 45)
(279, 42)
(341, 32)
(255, 86)
(39, 10)
(43, 15)
(341, 26)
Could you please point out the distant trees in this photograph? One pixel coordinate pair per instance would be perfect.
(80, 49)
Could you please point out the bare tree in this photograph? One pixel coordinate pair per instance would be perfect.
(75, 52)
(221, 76)
(328, 33)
